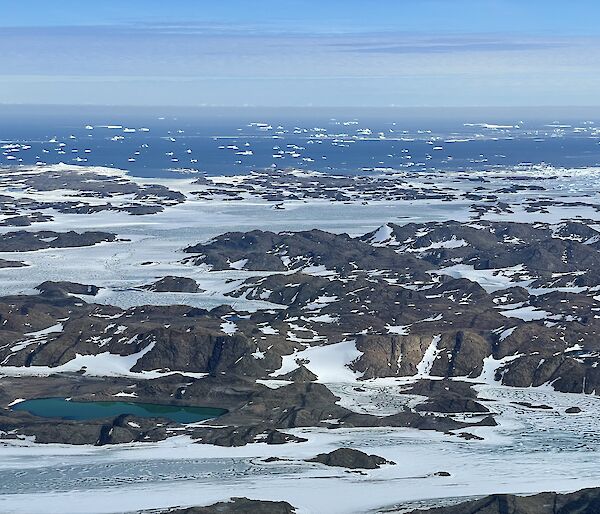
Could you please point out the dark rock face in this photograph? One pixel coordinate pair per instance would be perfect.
(243, 435)
(350, 458)
(174, 285)
(533, 406)
(540, 248)
(385, 300)
(122, 429)
(128, 429)
(469, 437)
(25, 220)
(11, 264)
(586, 501)
(24, 241)
(239, 506)
(309, 404)
(301, 374)
(313, 247)
(447, 396)
(377, 293)
(50, 288)
(183, 338)
(573, 410)
(278, 185)
(255, 413)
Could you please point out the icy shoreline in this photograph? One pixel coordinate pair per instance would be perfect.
(530, 451)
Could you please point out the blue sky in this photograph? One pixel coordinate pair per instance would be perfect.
(300, 52)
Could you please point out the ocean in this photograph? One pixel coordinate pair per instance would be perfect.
(163, 142)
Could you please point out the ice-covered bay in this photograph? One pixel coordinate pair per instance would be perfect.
(532, 450)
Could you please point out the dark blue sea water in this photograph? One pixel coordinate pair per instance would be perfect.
(164, 141)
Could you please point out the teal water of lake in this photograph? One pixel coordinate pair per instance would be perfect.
(81, 410)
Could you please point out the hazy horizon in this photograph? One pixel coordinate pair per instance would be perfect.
(513, 110)
(295, 53)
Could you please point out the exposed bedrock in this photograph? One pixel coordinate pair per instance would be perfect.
(350, 458)
(64, 288)
(24, 241)
(175, 285)
(238, 506)
(288, 251)
(586, 501)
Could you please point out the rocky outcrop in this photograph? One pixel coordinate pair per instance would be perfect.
(300, 374)
(406, 322)
(50, 288)
(24, 241)
(350, 458)
(586, 501)
(11, 264)
(261, 250)
(447, 396)
(25, 220)
(304, 405)
(92, 191)
(171, 284)
(122, 429)
(385, 305)
(243, 435)
(255, 413)
(373, 291)
(238, 506)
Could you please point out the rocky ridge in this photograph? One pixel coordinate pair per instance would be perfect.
(442, 304)
(586, 501)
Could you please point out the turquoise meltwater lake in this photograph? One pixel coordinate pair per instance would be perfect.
(82, 410)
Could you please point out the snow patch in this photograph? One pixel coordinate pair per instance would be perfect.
(429, 357)
(528, 313)
(330, 363)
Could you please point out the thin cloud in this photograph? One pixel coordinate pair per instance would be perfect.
(409, 44)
